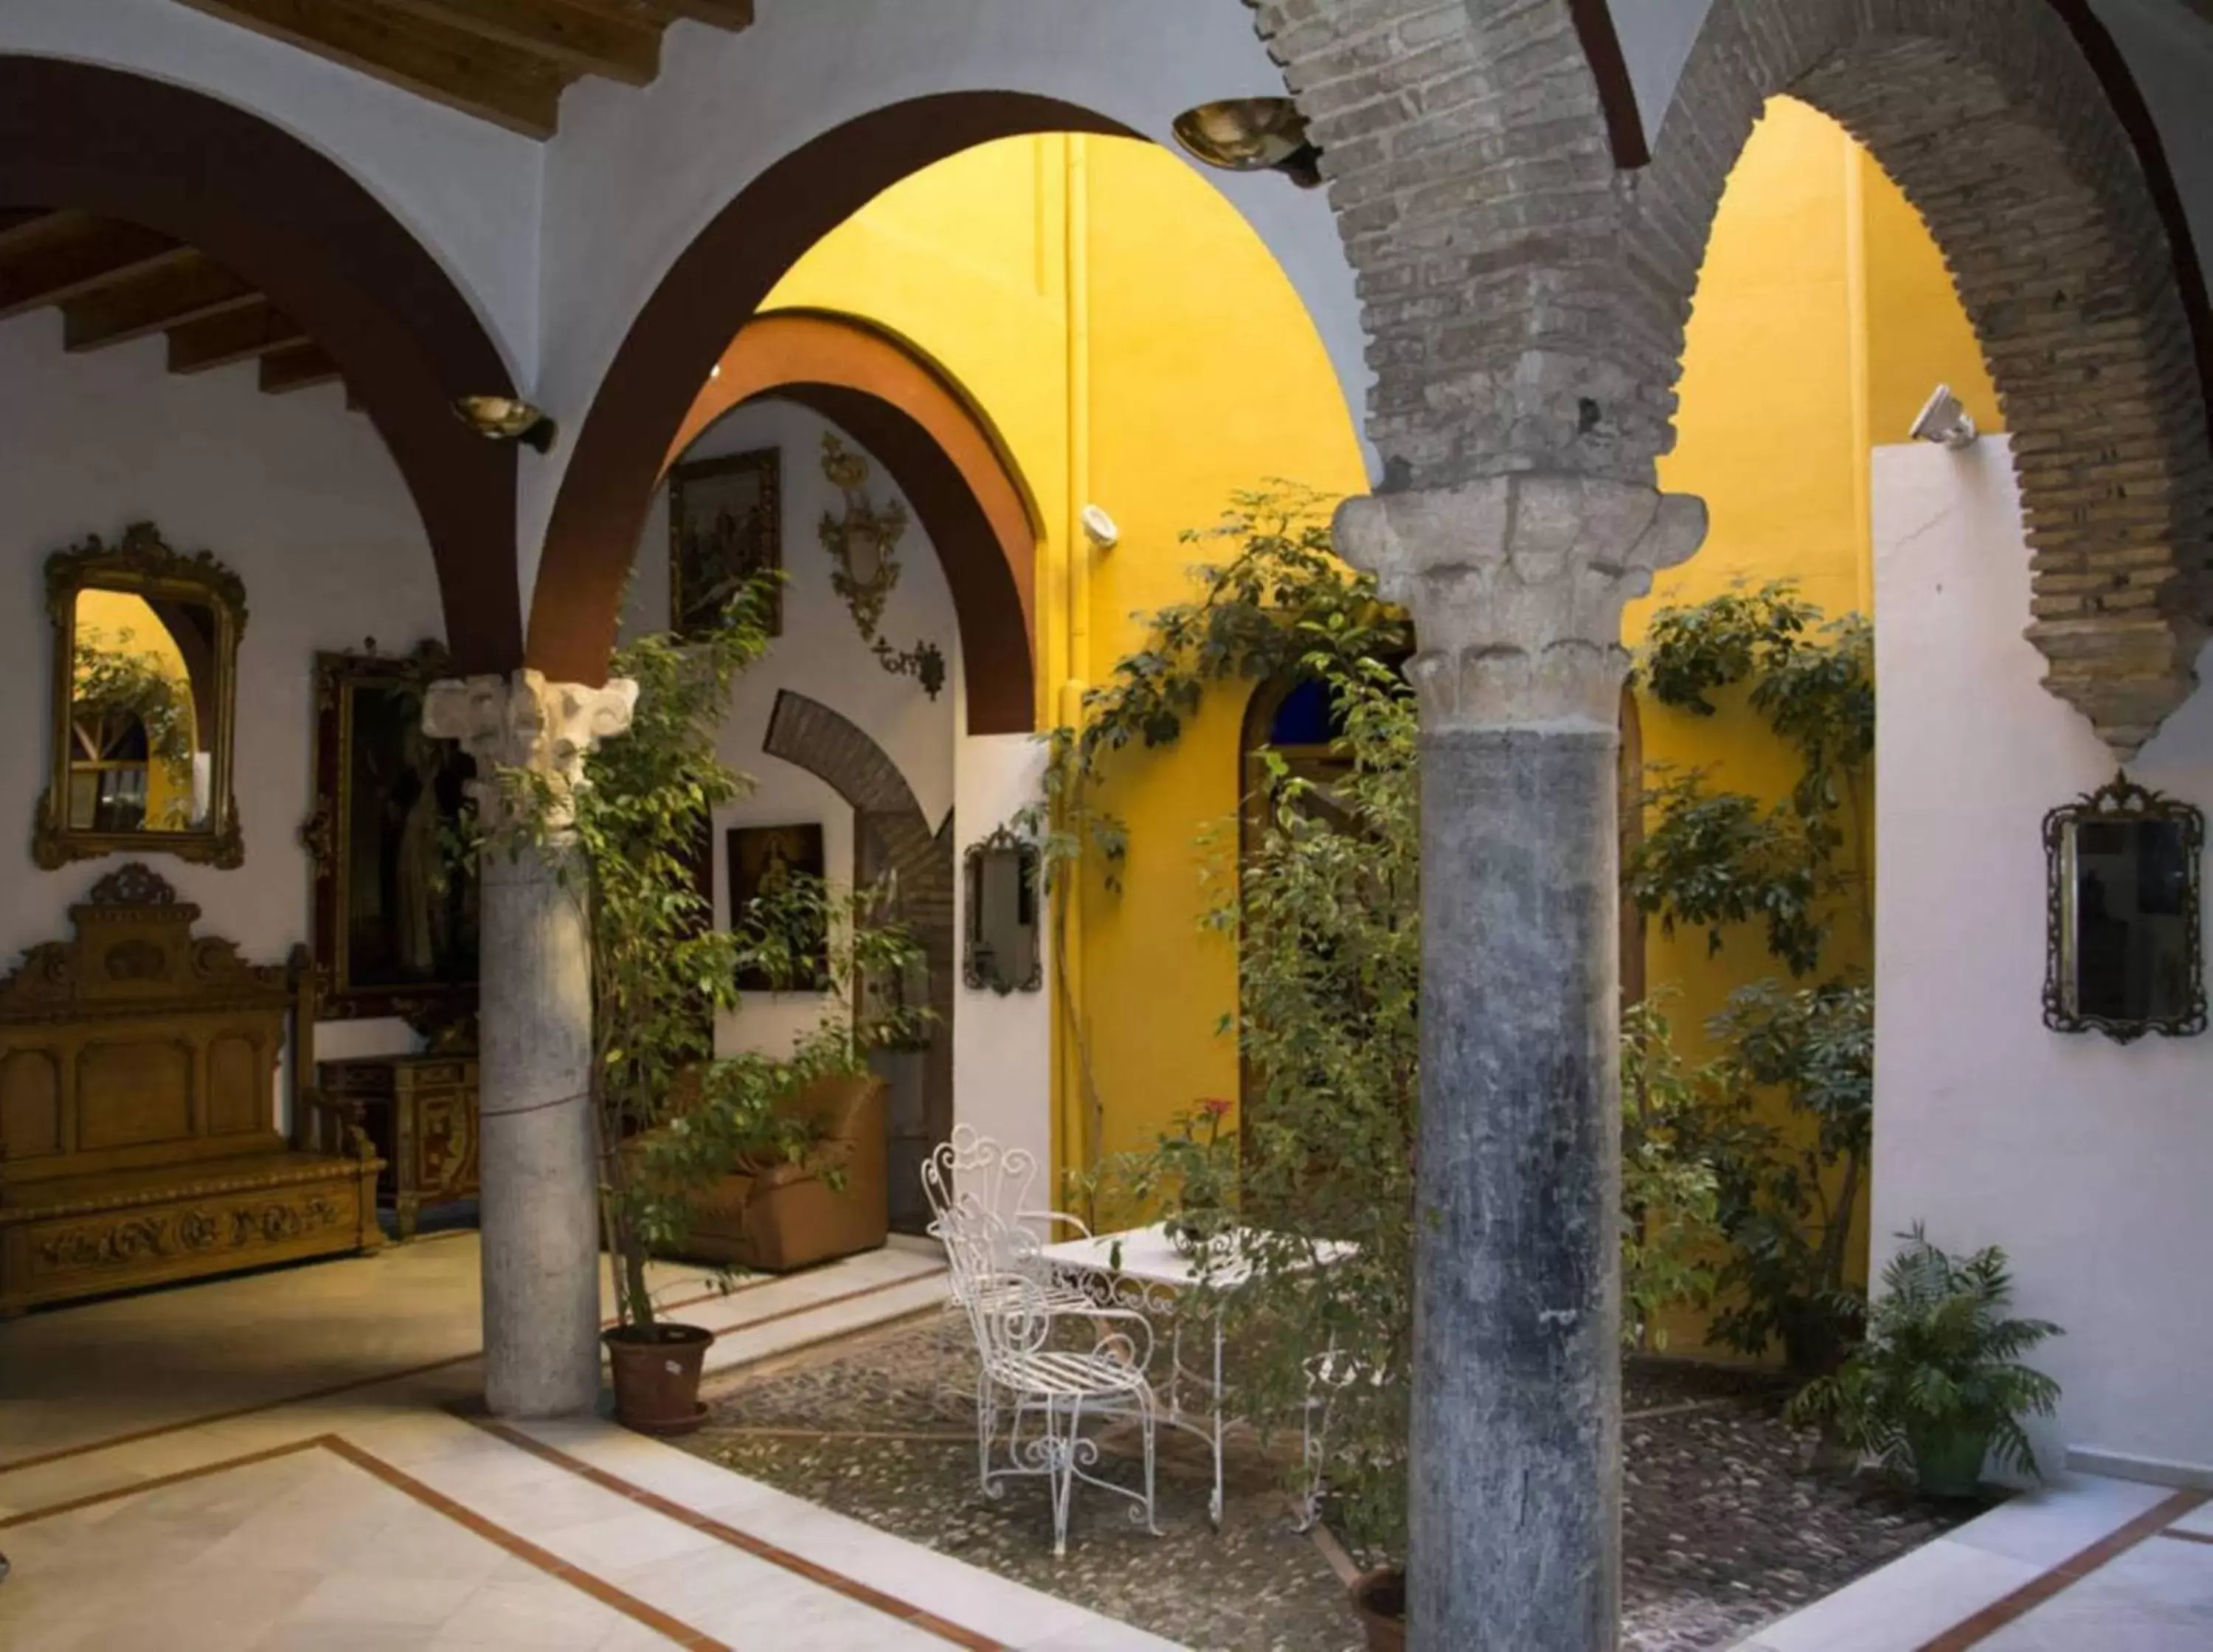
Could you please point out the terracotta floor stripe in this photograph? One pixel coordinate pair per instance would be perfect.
(759, 1548)
(402, 1373)
(809, 1308)
(111, 1441)
(1974, 1630)
(72, 1505)
(523, 1549)
(2188, 1537)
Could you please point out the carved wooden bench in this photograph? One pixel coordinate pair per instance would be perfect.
(138, 1073)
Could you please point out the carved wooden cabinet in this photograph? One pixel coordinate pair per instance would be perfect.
(421, 1113)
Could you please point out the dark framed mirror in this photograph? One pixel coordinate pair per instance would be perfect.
(2123, 951)
(395, 902)
(1003, 948)
(144, 702)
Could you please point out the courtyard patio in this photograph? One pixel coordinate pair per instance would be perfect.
(294, 1459)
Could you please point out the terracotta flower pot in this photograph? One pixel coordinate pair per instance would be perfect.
(1379, 1601)
(657, 1369)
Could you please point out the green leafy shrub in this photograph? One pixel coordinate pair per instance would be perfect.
(1714, 860)
(1941, 1364)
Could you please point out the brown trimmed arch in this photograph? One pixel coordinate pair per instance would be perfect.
(944, 457)
(279, 215)
(713, 289)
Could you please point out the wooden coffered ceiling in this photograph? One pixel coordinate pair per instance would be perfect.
(507, 61)
(115, 282)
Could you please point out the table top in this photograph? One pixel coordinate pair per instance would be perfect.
(1148, 1254)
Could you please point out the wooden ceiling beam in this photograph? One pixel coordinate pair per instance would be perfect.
(732, 14)
(163, 298)
(63, 255)
(464, 71)
(580, 41)
(297, 368)
(659, 14)
(238, 336)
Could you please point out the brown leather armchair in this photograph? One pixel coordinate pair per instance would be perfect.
(776, 1215)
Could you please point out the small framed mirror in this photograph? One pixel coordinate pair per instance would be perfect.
(1003, 948)
(145, 676)
(2123, 948)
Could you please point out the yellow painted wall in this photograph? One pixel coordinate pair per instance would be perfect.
(1134, 344)
(1824, 318)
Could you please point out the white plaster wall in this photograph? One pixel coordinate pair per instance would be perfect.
(2089, 1161)
(635, 176)
(296, 494)
(1002, 1046)
(467, 189)
(821, 654)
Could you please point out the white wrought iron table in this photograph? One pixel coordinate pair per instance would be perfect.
(1142, 1268)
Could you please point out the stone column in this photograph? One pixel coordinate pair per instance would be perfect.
(1516, 585)
(536, 1149)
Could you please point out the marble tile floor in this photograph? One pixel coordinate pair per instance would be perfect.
(386, 1514)
(73, 1376)
(2084, 1563)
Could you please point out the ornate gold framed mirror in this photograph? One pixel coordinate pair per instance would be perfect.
(145, 692)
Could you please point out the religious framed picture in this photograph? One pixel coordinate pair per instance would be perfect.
(762, 861)
(725, 525)
(394, 901)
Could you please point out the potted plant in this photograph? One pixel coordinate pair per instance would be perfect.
(1192, 1171)
(671, 1117)
(1938, 1385)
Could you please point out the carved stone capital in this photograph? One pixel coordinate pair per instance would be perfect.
(1516, 585)
(525, 723)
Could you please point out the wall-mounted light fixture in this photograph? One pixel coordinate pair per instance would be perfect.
(1099, 528)
(1944, 419)
(1252, 135)
(507, 418)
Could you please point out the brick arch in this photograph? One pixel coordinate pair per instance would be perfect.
(946, 459)
(276, 213)
(891, 833)
(1527, 300)
(1996, 125)
(714, 287)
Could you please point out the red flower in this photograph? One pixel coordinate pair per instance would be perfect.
(1215, 1107)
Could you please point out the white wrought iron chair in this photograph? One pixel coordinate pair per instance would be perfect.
(1000, 1178)
(1023, 1374)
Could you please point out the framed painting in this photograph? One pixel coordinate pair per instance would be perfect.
(761, 859)
(725, 525)
(395, 905)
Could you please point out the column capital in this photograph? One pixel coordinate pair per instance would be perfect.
(1516, 585)
(524, 721)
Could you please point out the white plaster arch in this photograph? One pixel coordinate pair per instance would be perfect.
(467, 190)
(634, 176)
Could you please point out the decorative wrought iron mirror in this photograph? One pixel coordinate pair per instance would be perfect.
(1004, 950)
(146, 689)
(2122, 950)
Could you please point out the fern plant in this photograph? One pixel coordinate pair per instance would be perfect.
(1939, 1383)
